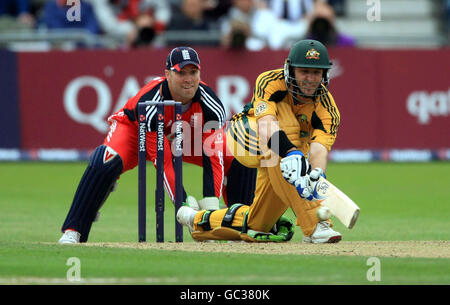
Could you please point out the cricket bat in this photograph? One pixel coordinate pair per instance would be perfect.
(340, 205)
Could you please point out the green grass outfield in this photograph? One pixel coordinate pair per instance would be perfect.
(399, 202)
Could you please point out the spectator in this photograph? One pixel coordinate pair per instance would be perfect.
(190, 16)
(107, 16)
(239, 28)
(136, 21)
(291, 10)
(55, 17)
(15, 14)
(235, 27)
(149, 16)
(322, 27)
(447, 21)
(216, 9)
(338, 6)
(291, 21)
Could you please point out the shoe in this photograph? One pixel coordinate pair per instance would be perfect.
(323, 234)
(185, 216)
(70, 237)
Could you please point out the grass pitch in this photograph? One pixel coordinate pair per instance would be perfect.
(399, 202)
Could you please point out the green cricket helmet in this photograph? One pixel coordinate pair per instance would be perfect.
(307, 54)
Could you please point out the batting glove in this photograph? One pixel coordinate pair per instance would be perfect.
(314, 177)
(303, 188)
(294, 166)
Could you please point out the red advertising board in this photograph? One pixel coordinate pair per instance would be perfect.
(387, 99)
(415, 93)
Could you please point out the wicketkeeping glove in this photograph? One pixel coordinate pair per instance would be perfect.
(192, 203)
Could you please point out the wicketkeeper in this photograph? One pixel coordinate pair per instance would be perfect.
(286, 133)
(203, 137)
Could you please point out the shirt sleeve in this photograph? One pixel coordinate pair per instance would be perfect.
(267, 84)
(325, 121)
(213, 163)
(212, 108)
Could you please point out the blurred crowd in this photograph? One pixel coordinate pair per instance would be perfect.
(447, 17)
(237, 24)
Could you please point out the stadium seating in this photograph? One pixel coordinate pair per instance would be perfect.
(404, 23)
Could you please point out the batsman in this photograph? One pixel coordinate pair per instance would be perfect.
(286, 132)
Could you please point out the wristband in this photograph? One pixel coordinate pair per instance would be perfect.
(283, 143)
